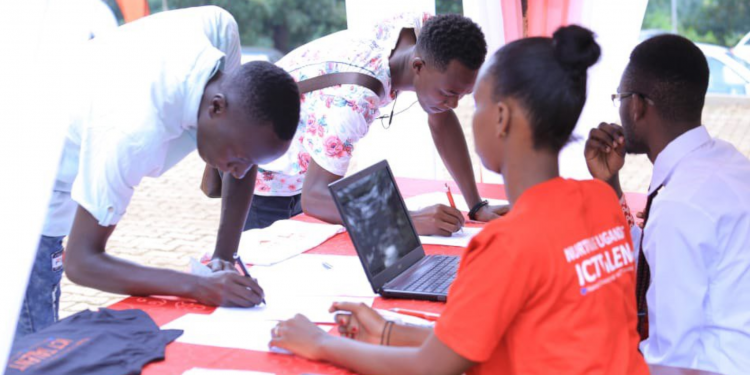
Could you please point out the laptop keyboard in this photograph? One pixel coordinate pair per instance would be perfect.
(438, 277)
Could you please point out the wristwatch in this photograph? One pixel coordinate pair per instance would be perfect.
(476, 208)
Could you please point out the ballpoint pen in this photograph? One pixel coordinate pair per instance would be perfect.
(237, 259)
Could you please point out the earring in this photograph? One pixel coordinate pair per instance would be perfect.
(503, 134)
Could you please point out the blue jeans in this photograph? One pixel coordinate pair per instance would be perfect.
(265, 211)
(42, 301)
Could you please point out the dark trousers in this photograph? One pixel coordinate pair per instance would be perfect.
(265, 211)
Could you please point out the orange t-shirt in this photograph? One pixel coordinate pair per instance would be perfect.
(549, 288)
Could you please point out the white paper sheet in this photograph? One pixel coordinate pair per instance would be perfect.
(210, 371)
(421, 201)
(208, 330)
(315, 275)
(459, 239)
(404, 319)
(198, 268)
(282, 307)
(282, 240)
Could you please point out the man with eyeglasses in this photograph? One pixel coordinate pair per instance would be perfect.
(693, 273)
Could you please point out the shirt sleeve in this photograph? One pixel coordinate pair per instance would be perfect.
(679, 246)
(101, 18)
(336, 124)
(111, 164)
(491, 288)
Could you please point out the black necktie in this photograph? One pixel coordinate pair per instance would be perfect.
(643, 276)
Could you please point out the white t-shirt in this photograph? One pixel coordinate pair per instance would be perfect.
(133, 97)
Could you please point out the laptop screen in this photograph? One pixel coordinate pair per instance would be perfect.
(376, 219)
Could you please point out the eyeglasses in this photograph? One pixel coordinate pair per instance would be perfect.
(617, 98)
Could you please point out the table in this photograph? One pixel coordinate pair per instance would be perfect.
(181, 357)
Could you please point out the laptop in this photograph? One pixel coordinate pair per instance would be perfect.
(387, 244)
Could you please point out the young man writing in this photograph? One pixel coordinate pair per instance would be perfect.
(436, 57)
(142, 98)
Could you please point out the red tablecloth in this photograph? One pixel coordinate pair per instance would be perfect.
(182, 357)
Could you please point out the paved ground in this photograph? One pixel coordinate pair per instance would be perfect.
(170, 220)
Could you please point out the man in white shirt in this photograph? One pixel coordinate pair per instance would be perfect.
(139, 100)
(694, 271)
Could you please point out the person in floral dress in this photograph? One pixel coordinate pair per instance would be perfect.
(438, 57)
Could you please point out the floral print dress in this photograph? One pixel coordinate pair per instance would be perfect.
(333, 119)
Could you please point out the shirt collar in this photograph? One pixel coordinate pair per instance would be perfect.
(668, 159)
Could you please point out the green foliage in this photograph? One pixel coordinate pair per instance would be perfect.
(722, 22)
(287, 24)
(449, 6)
(281, 24)
(658, 15)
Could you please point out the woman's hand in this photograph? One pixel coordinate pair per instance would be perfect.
(358, 321)
(300, 336)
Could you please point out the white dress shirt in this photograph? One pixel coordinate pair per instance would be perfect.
(697, 243)
(134, 96)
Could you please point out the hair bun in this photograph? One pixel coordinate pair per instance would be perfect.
(575, 48)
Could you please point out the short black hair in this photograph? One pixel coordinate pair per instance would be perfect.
(673, 72)
(449, 37)
(268, 94)
(548, 77)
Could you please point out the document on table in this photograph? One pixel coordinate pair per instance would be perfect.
(404, 319)
(460, 238)
(282, 307)
(282, 240)
(421, 201)
(207, 330)
(198, 268)
(315, 275)
(210, 371)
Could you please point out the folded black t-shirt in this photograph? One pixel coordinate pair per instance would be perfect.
(106, 342)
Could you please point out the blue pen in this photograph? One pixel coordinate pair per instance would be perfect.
(237, 259)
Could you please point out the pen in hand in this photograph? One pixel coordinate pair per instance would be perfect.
(237, 259)
(450, 200)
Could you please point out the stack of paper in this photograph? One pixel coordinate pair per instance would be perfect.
(283, 240)
(227, 331)
(282, 307)
(208, 330)
(460, 238)
(307, 284)
(315, 275)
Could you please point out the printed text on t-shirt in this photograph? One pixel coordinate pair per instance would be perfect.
(600, 259)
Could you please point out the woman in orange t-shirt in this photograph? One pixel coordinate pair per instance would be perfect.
(549, 288)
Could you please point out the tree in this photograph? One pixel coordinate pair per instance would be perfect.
(281, 24)
(722, 22)
(449, 6)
